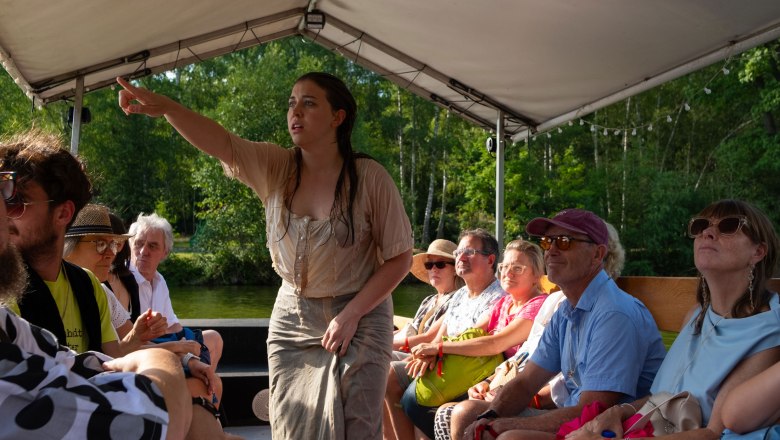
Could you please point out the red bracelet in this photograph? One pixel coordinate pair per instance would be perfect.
(537, 405)
(440, 361)
(405, 348)
(482, 428)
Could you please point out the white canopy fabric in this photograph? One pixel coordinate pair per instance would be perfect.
(540, 62)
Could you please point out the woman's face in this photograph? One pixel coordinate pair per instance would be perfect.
(86, 255)
(516, 275)
(310, 117)
(443, 280)
(713, 251)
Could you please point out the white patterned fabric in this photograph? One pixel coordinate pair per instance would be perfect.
(464, 311)
(49, 392)
(119, 315)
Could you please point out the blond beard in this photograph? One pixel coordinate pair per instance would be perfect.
(13, 277)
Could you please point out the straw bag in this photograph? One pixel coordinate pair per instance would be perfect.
(669, 413)
(508, 370)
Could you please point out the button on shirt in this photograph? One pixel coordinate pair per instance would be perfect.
(155, 295)
(323, 257)
(608, 342)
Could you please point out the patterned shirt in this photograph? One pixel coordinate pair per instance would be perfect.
(464, 312)
(49, 391)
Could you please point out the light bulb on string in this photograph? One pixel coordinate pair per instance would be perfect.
(633, 132)
(571, 123)
(707, 90)
(605, 132)
(559, 130)
(617, 132)
(726, 70)
(593, 128)
(687, 107)
(582, 122)
(650, 127)
(548, 135)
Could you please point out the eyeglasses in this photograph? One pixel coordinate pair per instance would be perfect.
(516, 269)
(563, 242)
(438, 264)
(102, 245)
(469, 252)
(726, 226)
(16, 207)
(8, 184)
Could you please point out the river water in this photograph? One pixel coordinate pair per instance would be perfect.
(257, 301)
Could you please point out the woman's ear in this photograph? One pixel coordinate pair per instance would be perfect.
(759, 254)
(338, 117)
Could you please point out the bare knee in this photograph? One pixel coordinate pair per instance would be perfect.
(213, 341)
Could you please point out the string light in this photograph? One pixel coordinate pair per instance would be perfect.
(685, 105)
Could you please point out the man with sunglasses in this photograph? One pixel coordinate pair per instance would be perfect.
(51, 188)
(604, 341)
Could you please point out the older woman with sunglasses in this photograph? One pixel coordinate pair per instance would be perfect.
(91, 244)
(733, 333)
(436, 267)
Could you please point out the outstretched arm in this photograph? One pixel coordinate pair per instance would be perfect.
(200, 131)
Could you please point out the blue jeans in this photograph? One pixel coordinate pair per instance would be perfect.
(422, 416)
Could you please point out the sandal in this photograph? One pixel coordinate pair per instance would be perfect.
(202, 401)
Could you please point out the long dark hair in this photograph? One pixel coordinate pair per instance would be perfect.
(760, 230)
(340, 98)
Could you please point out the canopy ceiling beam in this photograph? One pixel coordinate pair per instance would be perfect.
(139, 57)
(466, 91)
(179, 63)
(733, 48)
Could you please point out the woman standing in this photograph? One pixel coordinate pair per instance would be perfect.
(339, 239)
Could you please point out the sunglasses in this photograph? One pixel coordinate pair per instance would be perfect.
(101, 246)
(726, 226)
(7, 184)
(516, 269)
(16, 207)
(469, 252)
(562, 242)
(437, 264)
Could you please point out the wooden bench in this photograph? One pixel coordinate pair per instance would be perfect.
(668, 298)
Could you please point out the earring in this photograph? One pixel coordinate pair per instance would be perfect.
(751, 276)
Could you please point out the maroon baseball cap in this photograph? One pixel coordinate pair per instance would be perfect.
(575, 220)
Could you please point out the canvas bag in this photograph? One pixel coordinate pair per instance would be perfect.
(669, 413)
(508, 370)
(458, 373)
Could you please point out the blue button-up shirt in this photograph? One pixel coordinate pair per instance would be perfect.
(607, 342)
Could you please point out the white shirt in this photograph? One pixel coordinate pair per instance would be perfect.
(119, 315)
(154, 295)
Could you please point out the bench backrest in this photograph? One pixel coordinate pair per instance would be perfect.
(669, 298)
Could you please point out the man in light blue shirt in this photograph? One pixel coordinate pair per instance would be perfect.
(603, 340)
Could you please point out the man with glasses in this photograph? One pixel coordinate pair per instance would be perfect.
(603, 340)
(51, 188)
(476, 259)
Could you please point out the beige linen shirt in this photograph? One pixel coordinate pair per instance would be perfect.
(310, 254)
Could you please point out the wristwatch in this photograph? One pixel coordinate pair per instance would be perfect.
(489, 414)
(185, 360)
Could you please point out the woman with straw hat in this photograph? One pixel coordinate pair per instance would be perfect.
(437, 268)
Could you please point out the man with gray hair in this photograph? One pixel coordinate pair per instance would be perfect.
(151, 242)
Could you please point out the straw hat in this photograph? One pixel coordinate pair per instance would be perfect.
(441, 248)
(93, 220)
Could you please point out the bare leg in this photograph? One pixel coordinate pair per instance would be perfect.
(213, 340)
(464, 414)
(401, 425)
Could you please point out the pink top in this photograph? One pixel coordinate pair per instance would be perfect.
(500, 317)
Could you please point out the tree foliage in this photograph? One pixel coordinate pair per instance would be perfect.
(703, 137)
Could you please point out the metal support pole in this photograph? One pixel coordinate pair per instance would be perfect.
(500, 180)
(78, 103)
